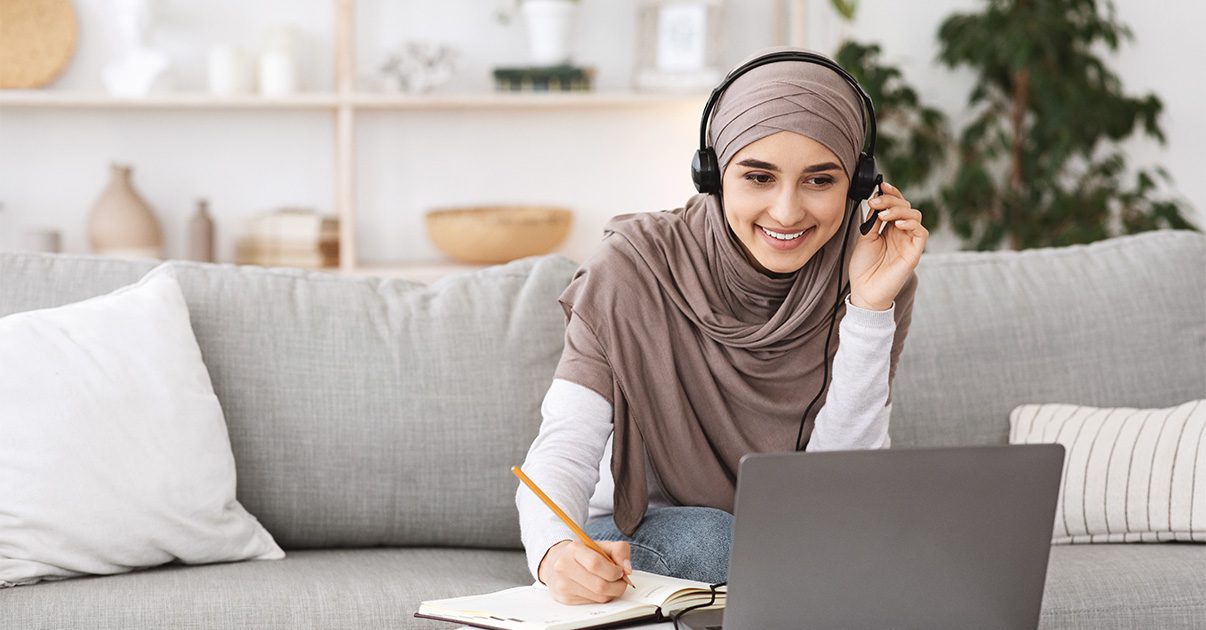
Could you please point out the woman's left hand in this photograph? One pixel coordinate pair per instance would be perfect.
(882, 263)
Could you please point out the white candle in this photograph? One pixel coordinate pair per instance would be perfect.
(229, 71)
(278, 73)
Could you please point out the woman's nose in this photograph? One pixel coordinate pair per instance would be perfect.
(788, 211)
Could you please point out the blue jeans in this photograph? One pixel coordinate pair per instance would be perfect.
(681, 541)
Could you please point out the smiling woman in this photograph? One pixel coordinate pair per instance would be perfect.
(785, 199)
(697, 335)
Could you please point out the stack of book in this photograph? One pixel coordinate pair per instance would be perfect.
(564, 78)
(290, 237)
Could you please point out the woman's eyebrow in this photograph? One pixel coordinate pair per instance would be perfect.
(815, 168)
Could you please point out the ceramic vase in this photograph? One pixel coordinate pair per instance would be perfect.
(199, 242)
(121, 223)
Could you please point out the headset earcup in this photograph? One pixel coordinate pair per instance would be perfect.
(705, 171)
(865, 178)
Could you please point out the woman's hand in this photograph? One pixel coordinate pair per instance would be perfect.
(577, 574)
(882, 263)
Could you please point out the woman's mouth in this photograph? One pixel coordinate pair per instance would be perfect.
(784, 240)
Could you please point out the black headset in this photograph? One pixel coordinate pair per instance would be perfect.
(705, 169)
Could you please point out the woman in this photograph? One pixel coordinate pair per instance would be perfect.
(700, 334)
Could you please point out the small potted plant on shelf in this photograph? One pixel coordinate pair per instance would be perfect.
(550, 26)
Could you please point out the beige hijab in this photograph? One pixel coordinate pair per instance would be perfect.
(703, 357)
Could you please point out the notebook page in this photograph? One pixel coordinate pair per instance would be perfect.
(534, 607)
(658, 589)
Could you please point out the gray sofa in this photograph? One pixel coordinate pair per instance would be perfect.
(373, 421)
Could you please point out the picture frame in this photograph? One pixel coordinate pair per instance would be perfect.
(679, 45)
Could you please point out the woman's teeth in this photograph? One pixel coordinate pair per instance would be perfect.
(781, 236)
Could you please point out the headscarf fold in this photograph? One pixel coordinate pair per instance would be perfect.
(704, 357)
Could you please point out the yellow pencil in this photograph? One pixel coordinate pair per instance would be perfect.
(565, 519)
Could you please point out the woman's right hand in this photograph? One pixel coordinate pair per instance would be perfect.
(577, 574)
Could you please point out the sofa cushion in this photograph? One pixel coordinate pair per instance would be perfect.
(336, 588)
(1115, 323)
(1130, 475)
(113, 449)
(1122, 586)
(1089, 587)
(361, 411)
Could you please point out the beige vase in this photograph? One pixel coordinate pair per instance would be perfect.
(121, 223)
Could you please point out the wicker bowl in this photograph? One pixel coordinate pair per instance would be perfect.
(497, 234)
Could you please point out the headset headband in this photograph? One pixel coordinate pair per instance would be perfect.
(792, 55)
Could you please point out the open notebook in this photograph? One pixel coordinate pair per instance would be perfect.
(655, 598)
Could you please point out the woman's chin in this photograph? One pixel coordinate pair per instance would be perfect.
(776, 262)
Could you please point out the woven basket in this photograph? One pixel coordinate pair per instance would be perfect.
(497, 234)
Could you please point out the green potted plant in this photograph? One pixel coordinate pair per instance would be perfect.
(912, 137)
(1040, 163)
(550, 27)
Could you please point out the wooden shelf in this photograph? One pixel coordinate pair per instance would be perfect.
(328, 101)
(183, 100)
(343, 103)
(521, 100)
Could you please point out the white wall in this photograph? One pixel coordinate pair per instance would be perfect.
(599, 161)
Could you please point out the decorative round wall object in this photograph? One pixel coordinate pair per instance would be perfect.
(37, 39)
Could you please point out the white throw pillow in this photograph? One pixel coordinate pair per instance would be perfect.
(114, 454)
(1130, 475)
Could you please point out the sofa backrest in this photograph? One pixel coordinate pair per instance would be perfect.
(361, 411)
(368, 411)
(1115, 323)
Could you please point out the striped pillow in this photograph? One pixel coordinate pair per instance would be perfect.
(1130, 475)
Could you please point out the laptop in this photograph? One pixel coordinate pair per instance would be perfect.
(890, 538)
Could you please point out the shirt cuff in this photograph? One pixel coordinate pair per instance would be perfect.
(870, 318)
(540, 543)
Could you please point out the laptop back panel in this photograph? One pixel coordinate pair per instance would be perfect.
(893, 538)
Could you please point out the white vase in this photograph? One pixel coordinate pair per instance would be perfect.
(550, 25)
(134, 66)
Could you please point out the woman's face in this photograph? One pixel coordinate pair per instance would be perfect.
(788, 184)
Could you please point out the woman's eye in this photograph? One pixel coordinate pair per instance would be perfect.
(763, 178)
